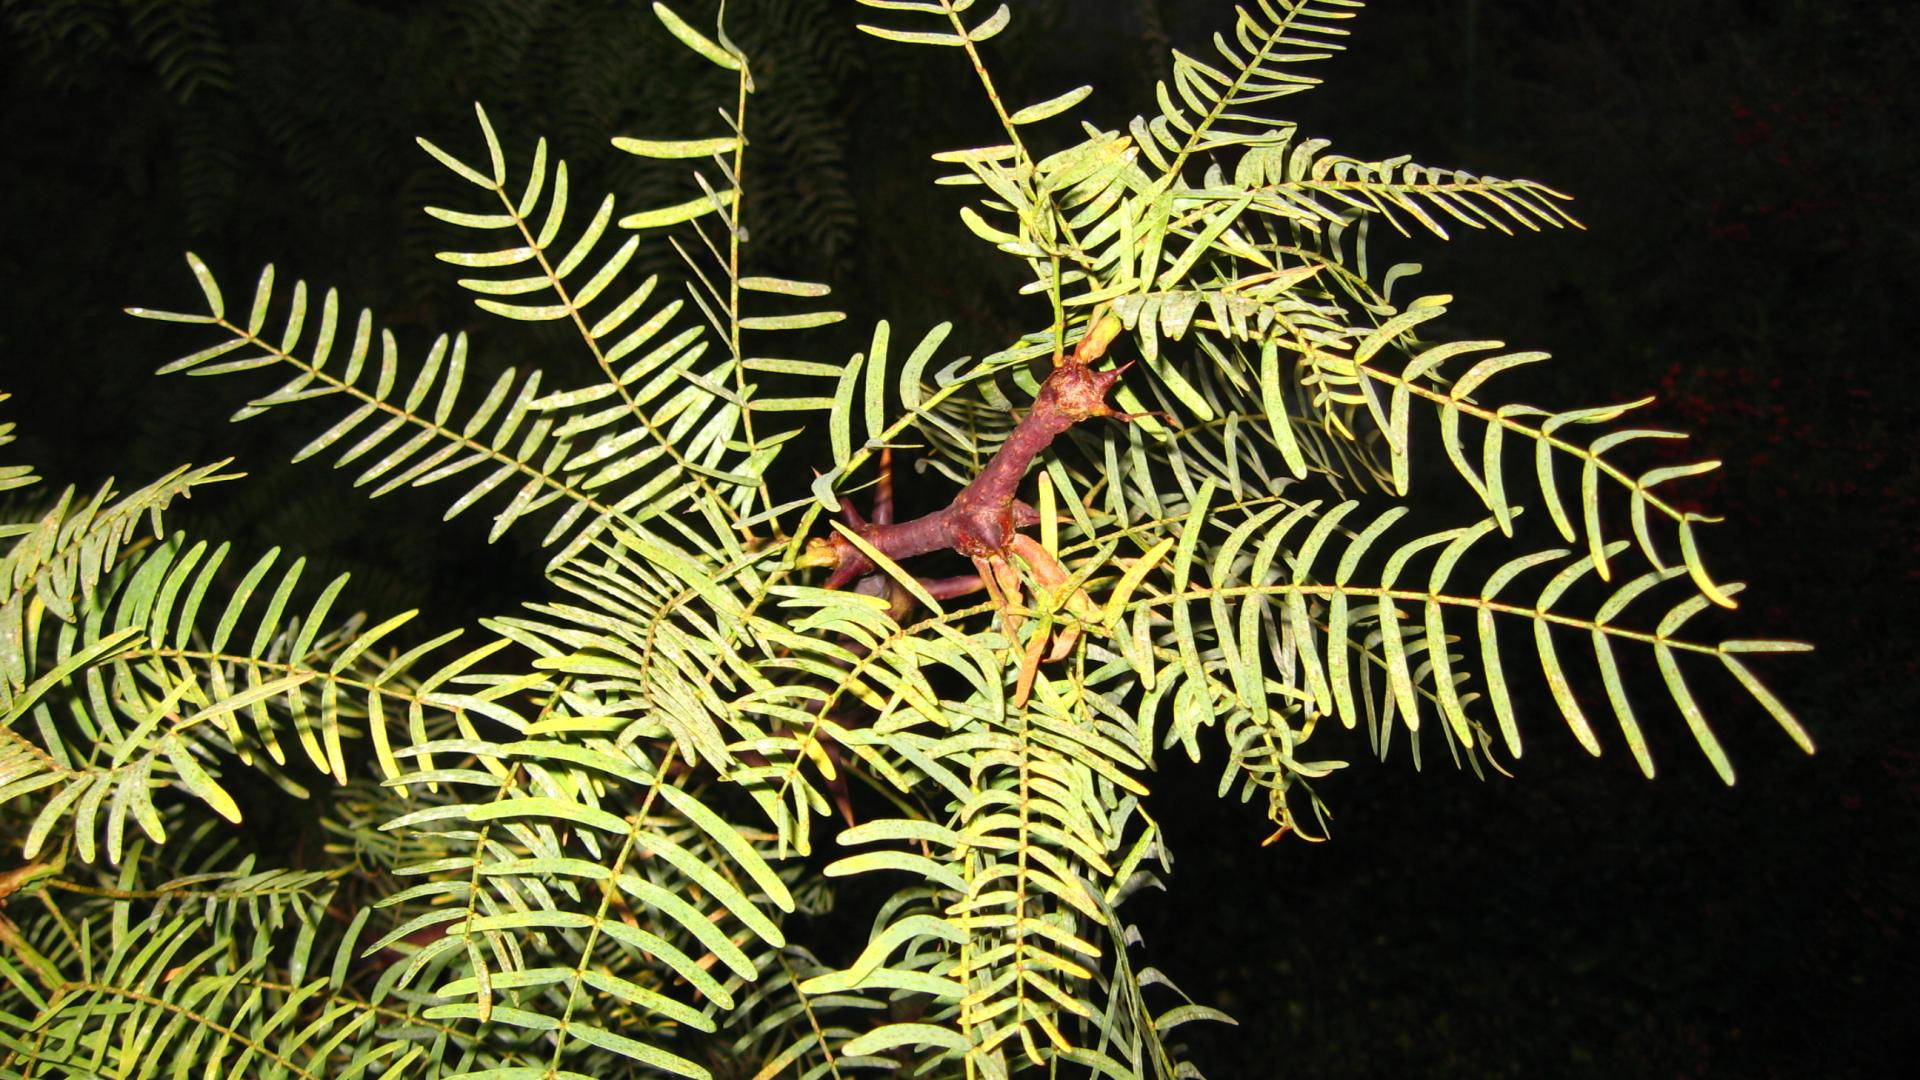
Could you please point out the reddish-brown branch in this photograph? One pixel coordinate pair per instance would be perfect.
(981, 519)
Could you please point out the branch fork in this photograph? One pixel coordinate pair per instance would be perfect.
(983, 520)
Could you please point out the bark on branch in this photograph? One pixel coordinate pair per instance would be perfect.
(981, 520)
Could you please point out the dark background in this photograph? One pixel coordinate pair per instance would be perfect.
(1745, 172)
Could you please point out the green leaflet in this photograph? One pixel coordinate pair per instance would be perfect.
(677, 213)
(676, 148)
(1051, 107)
(694, 39)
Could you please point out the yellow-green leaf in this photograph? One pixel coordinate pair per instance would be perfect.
(694, 39)
(677, 148)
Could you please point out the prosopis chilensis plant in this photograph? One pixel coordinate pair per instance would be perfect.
(1174, 516)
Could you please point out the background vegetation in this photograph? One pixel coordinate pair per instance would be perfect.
(1742, 169)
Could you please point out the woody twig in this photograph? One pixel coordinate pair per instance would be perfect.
(983, 520)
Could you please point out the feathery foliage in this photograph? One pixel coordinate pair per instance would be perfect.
(579, 839)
